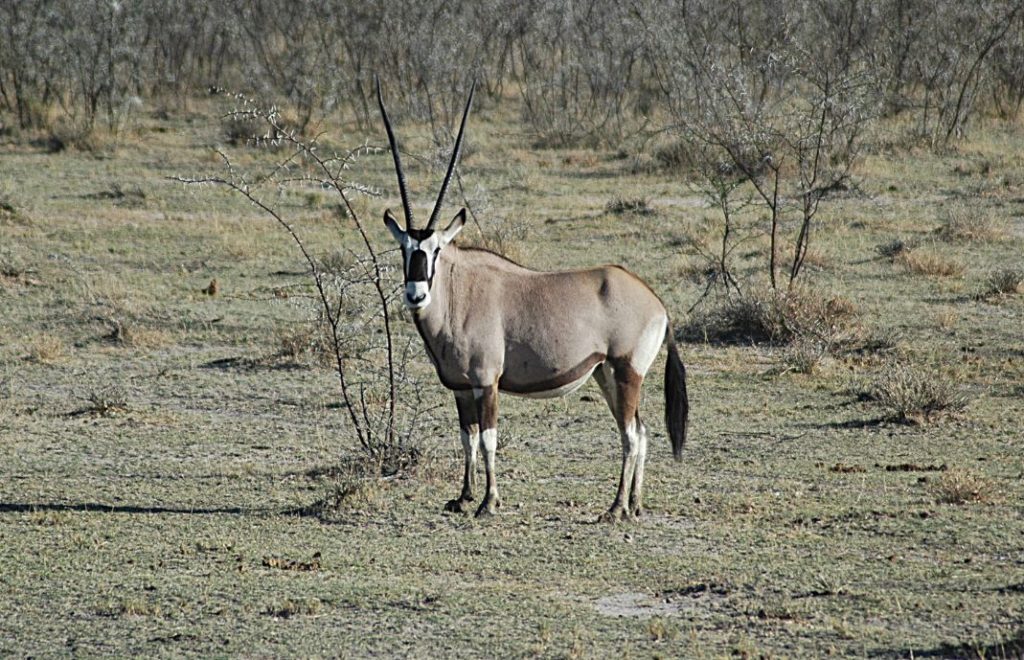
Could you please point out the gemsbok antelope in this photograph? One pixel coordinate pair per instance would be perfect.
(490, 325)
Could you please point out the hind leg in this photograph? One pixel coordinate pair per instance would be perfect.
(621, 387)
(636, 492)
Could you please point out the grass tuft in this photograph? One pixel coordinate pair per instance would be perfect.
(289, 607)
(803, 355)
(105, 402)
(46, 348)
(966, 225)
(959, 486)
(776, 317)
(930, 263)
(915, 396)
(896, 248)
(633, 205)
(1004, 282)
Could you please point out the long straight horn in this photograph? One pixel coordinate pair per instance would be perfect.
(398, 159)
(451, 166)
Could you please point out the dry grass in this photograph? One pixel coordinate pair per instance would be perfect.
(964, 224)
(1005, 282)
(105, 402)
(131, 334)
(959, 486)
(920, 260)
(46, 348)
(930, 263)
(896, 248)
(776, 317)
(306, 343)
(916, 396)
(802, 356)
(946, 318)
(132, 607)
(633, 205)
(290, 607)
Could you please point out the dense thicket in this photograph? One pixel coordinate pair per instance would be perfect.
(592, 71)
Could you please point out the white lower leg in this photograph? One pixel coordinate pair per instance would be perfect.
(636, 493)
(630, 453)
(470, 439)
(489, 441)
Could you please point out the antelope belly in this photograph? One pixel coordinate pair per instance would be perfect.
(562, 390)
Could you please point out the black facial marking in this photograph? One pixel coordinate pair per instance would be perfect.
(421, 234)
(418, 271)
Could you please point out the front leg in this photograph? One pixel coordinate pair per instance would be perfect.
(487, 414)
(469, 433)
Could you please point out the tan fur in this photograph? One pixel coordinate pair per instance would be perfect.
(536, 329)
(494, 325)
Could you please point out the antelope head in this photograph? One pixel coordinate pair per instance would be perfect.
(422, 247)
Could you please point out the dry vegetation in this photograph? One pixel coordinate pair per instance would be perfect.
(180, 476)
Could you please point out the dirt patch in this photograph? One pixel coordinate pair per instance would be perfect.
(641, 605)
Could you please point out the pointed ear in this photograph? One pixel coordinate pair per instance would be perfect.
(392, 224)
(453, 229)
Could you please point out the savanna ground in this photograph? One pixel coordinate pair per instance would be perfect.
(164, 469)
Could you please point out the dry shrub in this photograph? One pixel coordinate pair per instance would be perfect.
(1005, 282)
(9, 212)
(931, 263)
(915, 396)
(240, 129)
(964, 224)
(294, 607)
(802, 356)
(131, 334)
(959, 486)
(105, 402)
(674, 155)
(776, 317)
(307, 344)
(896, 248)
(634, 205)
(46, 348)
(346, 493)
(946, 318)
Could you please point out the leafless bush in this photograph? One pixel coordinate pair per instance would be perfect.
(105, 402)
(1004, 282)
(775, 317)
(896, 248)
(965, 224)
(775, 113)
(940, 59)
(916, 396)
(803, 355)
(581, 72)
(959, 486)
(632, 205)
(353, 294)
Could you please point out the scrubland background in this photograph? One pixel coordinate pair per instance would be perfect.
(212, 443)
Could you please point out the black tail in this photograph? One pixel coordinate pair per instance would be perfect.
(677, 406)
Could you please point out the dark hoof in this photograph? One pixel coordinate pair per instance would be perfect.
(460, 505)
(615, 515)
(488, 508)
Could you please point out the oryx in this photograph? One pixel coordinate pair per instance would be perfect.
(490, 325)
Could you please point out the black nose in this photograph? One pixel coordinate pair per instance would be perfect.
(417, 298)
